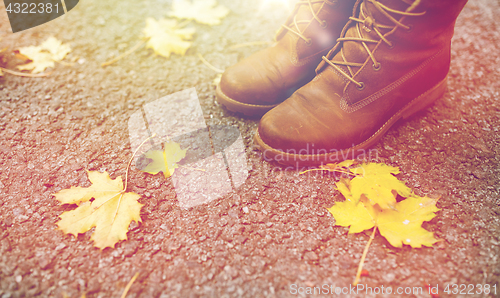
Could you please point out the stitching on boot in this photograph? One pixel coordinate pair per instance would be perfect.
(348, 108)
(361, 145)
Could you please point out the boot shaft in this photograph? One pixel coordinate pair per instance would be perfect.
(389, 39)
(433, 26)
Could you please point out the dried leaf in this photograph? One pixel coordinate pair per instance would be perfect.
(166, 38)
(377, 183)
(370, 202)
(104, 205)
(348, 213)
(202, 11)
(403, 224)
(44, 55)
(165, 161)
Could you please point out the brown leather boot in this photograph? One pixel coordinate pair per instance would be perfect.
(258, 83)
(391, 61)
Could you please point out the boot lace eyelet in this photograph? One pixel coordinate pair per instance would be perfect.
(377, 67)
(410, 28)
(390, 46)
(308, 42)
(361, 86)
(324, 24)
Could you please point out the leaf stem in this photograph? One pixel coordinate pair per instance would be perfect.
(217, 70)
(22, 74)
(130, 161)
(362, 261)
(65, 63)
(133, 49)
(325, 169)
(248, 44)
(127, 288)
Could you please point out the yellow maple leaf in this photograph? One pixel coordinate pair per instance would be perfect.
(111, 211)
(405, 224)
(401, 226)
(166, 38)
(165, 160)
(44, 55)
(202, 11)
(377, 183)
(350, 214)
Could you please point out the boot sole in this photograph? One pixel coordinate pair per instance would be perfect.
(296, 160)
(240, 107)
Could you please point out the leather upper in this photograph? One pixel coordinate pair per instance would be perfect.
(273, 74)
(333, 113)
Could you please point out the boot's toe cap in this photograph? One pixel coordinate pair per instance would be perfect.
(247, 82)
(281, 128)
(301, 126)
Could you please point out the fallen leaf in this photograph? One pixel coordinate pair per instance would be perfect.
(377, 183)
(202, 11)
(355, 216)
(400, 226)
(166, 38)
(44, 55)
(165, 160)
(404, 226)
(104, 205)
(370, 202)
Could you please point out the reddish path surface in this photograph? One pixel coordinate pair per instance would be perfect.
(272, 234)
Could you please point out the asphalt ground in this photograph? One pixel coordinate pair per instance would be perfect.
(268, 235)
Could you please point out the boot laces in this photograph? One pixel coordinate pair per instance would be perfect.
(294, 23)
(369, 24)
